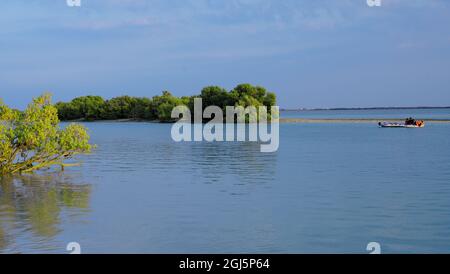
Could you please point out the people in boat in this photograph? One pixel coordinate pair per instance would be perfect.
(410, 121)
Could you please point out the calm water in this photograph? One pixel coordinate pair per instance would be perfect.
(329, 188)
(374, 114)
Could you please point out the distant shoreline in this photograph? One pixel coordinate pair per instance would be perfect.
(362, 108)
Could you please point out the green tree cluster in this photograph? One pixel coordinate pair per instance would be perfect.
(32, 139)
(160, 107)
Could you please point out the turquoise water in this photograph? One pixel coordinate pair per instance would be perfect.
(329, 188)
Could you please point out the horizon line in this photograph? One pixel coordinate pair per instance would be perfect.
(364, 108)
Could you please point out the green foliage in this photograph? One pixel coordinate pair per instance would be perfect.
(141, 109)
(163, 105)
(248, 95)
(160, 107)
(33, 140)
(87, 107)
(119, 108)
(216, 96)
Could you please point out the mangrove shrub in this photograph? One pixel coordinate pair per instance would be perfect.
(32, 139)
(160, 107)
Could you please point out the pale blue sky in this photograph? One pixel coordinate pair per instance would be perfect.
(319, 53)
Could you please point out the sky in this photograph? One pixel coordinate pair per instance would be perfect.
(312, 53)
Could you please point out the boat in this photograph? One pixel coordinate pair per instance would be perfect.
(409, 123)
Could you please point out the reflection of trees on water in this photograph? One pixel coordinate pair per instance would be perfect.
(3, 242)
(33, 203)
